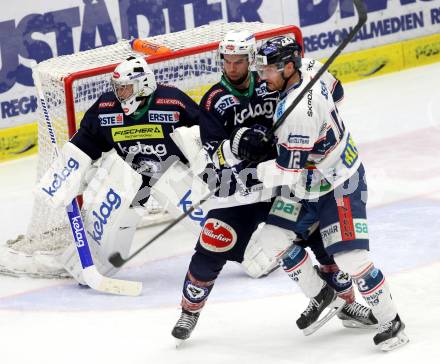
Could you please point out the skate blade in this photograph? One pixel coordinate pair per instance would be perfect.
(395, 342)
(178, 342)
(353, 324)
(332, 310)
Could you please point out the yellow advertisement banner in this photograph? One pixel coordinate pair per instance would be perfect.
(420, 51)
(18, 141)
(368, 63)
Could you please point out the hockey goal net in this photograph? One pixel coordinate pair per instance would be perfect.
(72, 83)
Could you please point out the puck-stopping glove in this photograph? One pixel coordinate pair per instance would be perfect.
(248, 144)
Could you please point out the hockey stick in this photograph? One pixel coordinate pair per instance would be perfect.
(91, 276)
(362, 18)
(116, 258)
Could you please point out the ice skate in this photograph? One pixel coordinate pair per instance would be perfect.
(311, 319)
(391, 335)
(184, 326)
(355, 315)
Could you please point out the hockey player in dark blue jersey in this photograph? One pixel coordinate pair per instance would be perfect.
(136, 119)
(242, 108)
(134, 122)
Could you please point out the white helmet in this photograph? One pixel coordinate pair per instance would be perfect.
(238, 42)
(137, 73)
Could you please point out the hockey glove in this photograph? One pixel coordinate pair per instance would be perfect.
(248, 144)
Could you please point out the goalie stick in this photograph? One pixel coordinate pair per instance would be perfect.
(91, 276)
(116, 258)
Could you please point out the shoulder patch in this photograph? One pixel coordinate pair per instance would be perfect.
(211, 97)
(170, 101)
(106, 104)
(225, 102)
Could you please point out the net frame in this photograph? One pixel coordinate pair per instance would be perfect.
(70, 79)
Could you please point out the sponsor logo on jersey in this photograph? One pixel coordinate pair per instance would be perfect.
(163, 116)
(210, 98)
(146, 149)
(111, 119)
(106, 104)
(150, 131)
(261, 90)
(350, 154)
(265, 109)
(217, 236)
(309, 103)
(225, 102)
(168, 101)
(60, 177)
(331, 234)
(100, 217)
(298, 139)
(197, 215)
(78, 231)
(361, 228)
(286, 209)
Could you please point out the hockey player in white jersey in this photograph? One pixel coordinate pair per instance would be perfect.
(319, 163)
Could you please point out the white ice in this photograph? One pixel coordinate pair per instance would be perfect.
(395, 120)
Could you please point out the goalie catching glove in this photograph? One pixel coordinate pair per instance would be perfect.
(249, 143)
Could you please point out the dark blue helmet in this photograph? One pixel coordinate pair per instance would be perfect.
(280, 50)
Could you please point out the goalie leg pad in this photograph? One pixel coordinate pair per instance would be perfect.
(109, 222)
(263, 251)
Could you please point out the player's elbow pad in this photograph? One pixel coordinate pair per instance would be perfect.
(62, 181)
(338, 92)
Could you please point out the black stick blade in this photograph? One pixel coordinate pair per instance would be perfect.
(116, 260)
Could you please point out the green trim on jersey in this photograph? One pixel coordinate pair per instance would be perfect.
(141, 112)
(248, 93)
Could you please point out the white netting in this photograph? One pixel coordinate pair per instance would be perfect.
(47, 233)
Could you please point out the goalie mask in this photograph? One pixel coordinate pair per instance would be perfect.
(132, 81)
